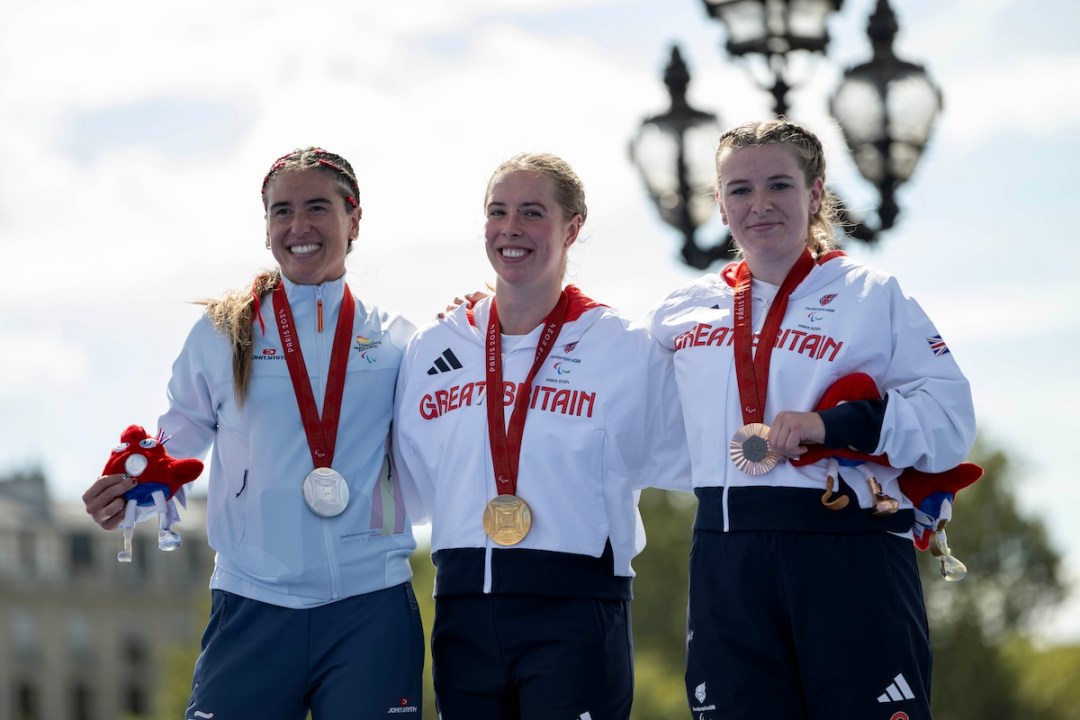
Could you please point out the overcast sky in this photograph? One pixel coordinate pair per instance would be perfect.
(135, 135)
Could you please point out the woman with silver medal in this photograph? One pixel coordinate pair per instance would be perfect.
(805, 599)
(525, 425)
(313, 609)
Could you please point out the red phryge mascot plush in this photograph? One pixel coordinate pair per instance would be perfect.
(932, 494)
(161, 479)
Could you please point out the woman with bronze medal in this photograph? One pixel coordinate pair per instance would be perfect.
(525, 425)
(291, 381)
(805, 599)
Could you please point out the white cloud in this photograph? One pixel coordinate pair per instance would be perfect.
(40, 363)
(136, 135)
(1029, 96)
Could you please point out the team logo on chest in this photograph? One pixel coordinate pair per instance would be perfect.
(268, 353)
(368, 347)
(563, 365)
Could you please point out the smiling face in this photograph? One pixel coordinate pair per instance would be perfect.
(765, 200)
(309, 226)
(527, 232)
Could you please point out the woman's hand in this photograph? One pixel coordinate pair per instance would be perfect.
(104, 500)
(790, 432)
(468, 300)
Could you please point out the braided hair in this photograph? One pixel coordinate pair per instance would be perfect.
(315, 158)
(234, 313)
(811, 158)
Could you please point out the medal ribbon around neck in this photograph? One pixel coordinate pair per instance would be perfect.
(506, 442)
(752, 368)
(321, 432)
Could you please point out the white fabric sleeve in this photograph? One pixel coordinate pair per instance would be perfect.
(930, 419)
(191, 420)
(416, 487)
(666, 455)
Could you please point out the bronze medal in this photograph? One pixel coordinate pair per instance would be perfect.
(882, 503)
(507, 519)
(750, 449)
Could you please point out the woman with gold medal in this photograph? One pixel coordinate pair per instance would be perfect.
(524, 427)
(805, 599)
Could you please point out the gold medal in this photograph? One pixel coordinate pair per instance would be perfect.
(750, 450)
(507, 519)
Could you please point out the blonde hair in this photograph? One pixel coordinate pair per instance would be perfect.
(233, 315)
(811, 158)
(569, 190)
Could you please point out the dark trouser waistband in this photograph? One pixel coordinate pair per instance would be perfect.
(785, 508)
(530, 572)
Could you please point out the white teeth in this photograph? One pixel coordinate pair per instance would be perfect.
(512, 252)
(304, 249)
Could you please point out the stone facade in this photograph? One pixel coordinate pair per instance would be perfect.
(82, 636)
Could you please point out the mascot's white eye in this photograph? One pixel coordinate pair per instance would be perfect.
(148, 443)
(120, 448)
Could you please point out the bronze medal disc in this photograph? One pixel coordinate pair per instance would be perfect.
(750, 450)
(507, 519)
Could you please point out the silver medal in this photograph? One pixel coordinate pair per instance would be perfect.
(326, 492)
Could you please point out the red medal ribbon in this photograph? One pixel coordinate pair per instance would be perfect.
(321, 433)
(506, 442)
(752, 369)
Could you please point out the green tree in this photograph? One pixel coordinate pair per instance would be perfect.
(1013, 579)
(423, 586)
(659, 606)
(1047, 678)
(177, 665)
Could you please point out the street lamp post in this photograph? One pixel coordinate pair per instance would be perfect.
(774, 30)
(673, 153)
(886, 109)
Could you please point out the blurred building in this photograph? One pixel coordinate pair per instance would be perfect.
(82, 636)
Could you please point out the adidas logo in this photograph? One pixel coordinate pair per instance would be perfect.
(898, 690)
(445, 363)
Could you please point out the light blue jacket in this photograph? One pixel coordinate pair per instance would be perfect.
(270, 546)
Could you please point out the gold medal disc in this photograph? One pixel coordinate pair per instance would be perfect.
(507, 519)
(750, 450)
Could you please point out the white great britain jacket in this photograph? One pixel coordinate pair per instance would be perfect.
(270, 546)
(603, 422)
(843, 318)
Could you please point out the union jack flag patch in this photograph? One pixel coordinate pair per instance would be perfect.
(937, 345)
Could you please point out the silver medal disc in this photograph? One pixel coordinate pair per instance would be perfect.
(326, 492)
